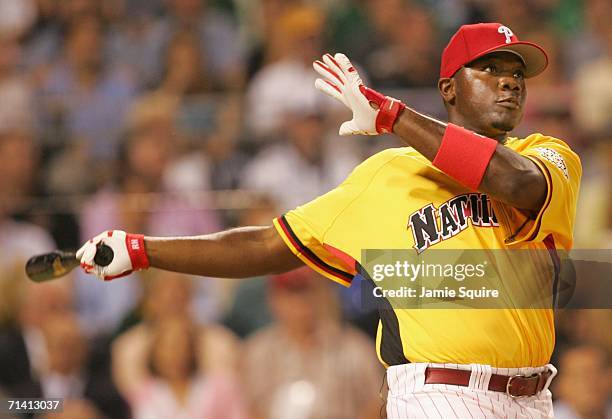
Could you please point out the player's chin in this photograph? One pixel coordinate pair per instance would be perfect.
(507, 121)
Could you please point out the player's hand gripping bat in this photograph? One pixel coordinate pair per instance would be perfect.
(58, 263)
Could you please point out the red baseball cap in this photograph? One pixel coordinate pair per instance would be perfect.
(474, 41)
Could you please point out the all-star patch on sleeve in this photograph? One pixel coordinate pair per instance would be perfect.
(554, 157)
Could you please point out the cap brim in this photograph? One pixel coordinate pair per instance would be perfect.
(534, 57)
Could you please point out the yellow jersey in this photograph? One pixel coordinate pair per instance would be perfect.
(397, 199)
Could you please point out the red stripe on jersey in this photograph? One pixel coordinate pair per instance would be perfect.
(314, 259)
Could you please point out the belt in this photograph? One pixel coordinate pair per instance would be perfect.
(515, 386)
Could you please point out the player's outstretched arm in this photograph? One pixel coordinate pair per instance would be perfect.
(475, 161)
(236, 253)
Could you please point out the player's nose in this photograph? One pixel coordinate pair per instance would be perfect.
(509, 83)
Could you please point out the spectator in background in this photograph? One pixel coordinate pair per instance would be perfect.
(351, 29)
(254, 17)
(206, 155)
(301, 167)
(221, 53)
(588, 42)
(210, 157)
(18, 239)
(593, 91)
(225, 160)
(16, 17)
(44, 40)
(582, 326)
(519, 15)
(307, 364)
(185, 71)
(134, 40)
(383, 15)
(174, 387)
(297, 40)
(166, 295)
(66, 375)
(410, 55)
(83, 96)
(15, 91)
(594, 210)
(584, 384)
(550, 95)
(26, 223)
(23, 356)
(19, 157)
(395, 40)
(548, 109)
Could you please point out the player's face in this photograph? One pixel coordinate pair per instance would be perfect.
(490, 94)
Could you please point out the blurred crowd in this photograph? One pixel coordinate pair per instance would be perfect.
(181, 117)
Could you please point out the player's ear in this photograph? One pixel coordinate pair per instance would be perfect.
(446, 86)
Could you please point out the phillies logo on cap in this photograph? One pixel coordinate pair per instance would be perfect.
(507, 32)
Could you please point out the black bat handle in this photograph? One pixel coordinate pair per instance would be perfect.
(104, 255)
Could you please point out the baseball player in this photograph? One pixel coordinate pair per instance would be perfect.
(464, 184)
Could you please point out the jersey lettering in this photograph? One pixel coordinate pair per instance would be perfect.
(430, 225)
(424, 221)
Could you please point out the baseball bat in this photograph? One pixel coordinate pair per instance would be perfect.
(58, 263)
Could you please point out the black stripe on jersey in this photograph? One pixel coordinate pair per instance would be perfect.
(549, 241)
(311, 255)
(391, 347)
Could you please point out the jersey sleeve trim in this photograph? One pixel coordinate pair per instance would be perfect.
(535, 228)
(308, 256)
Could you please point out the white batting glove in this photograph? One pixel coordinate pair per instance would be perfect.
(342, 82)
(129, 254)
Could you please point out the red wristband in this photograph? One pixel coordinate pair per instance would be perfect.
(387, 114)
(136, 249)
(388, 109)
(464, 155)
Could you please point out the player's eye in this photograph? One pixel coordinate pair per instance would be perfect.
(490, 68)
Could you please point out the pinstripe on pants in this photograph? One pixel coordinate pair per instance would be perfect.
(410, 398)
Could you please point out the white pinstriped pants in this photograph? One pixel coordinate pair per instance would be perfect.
(410, 398)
